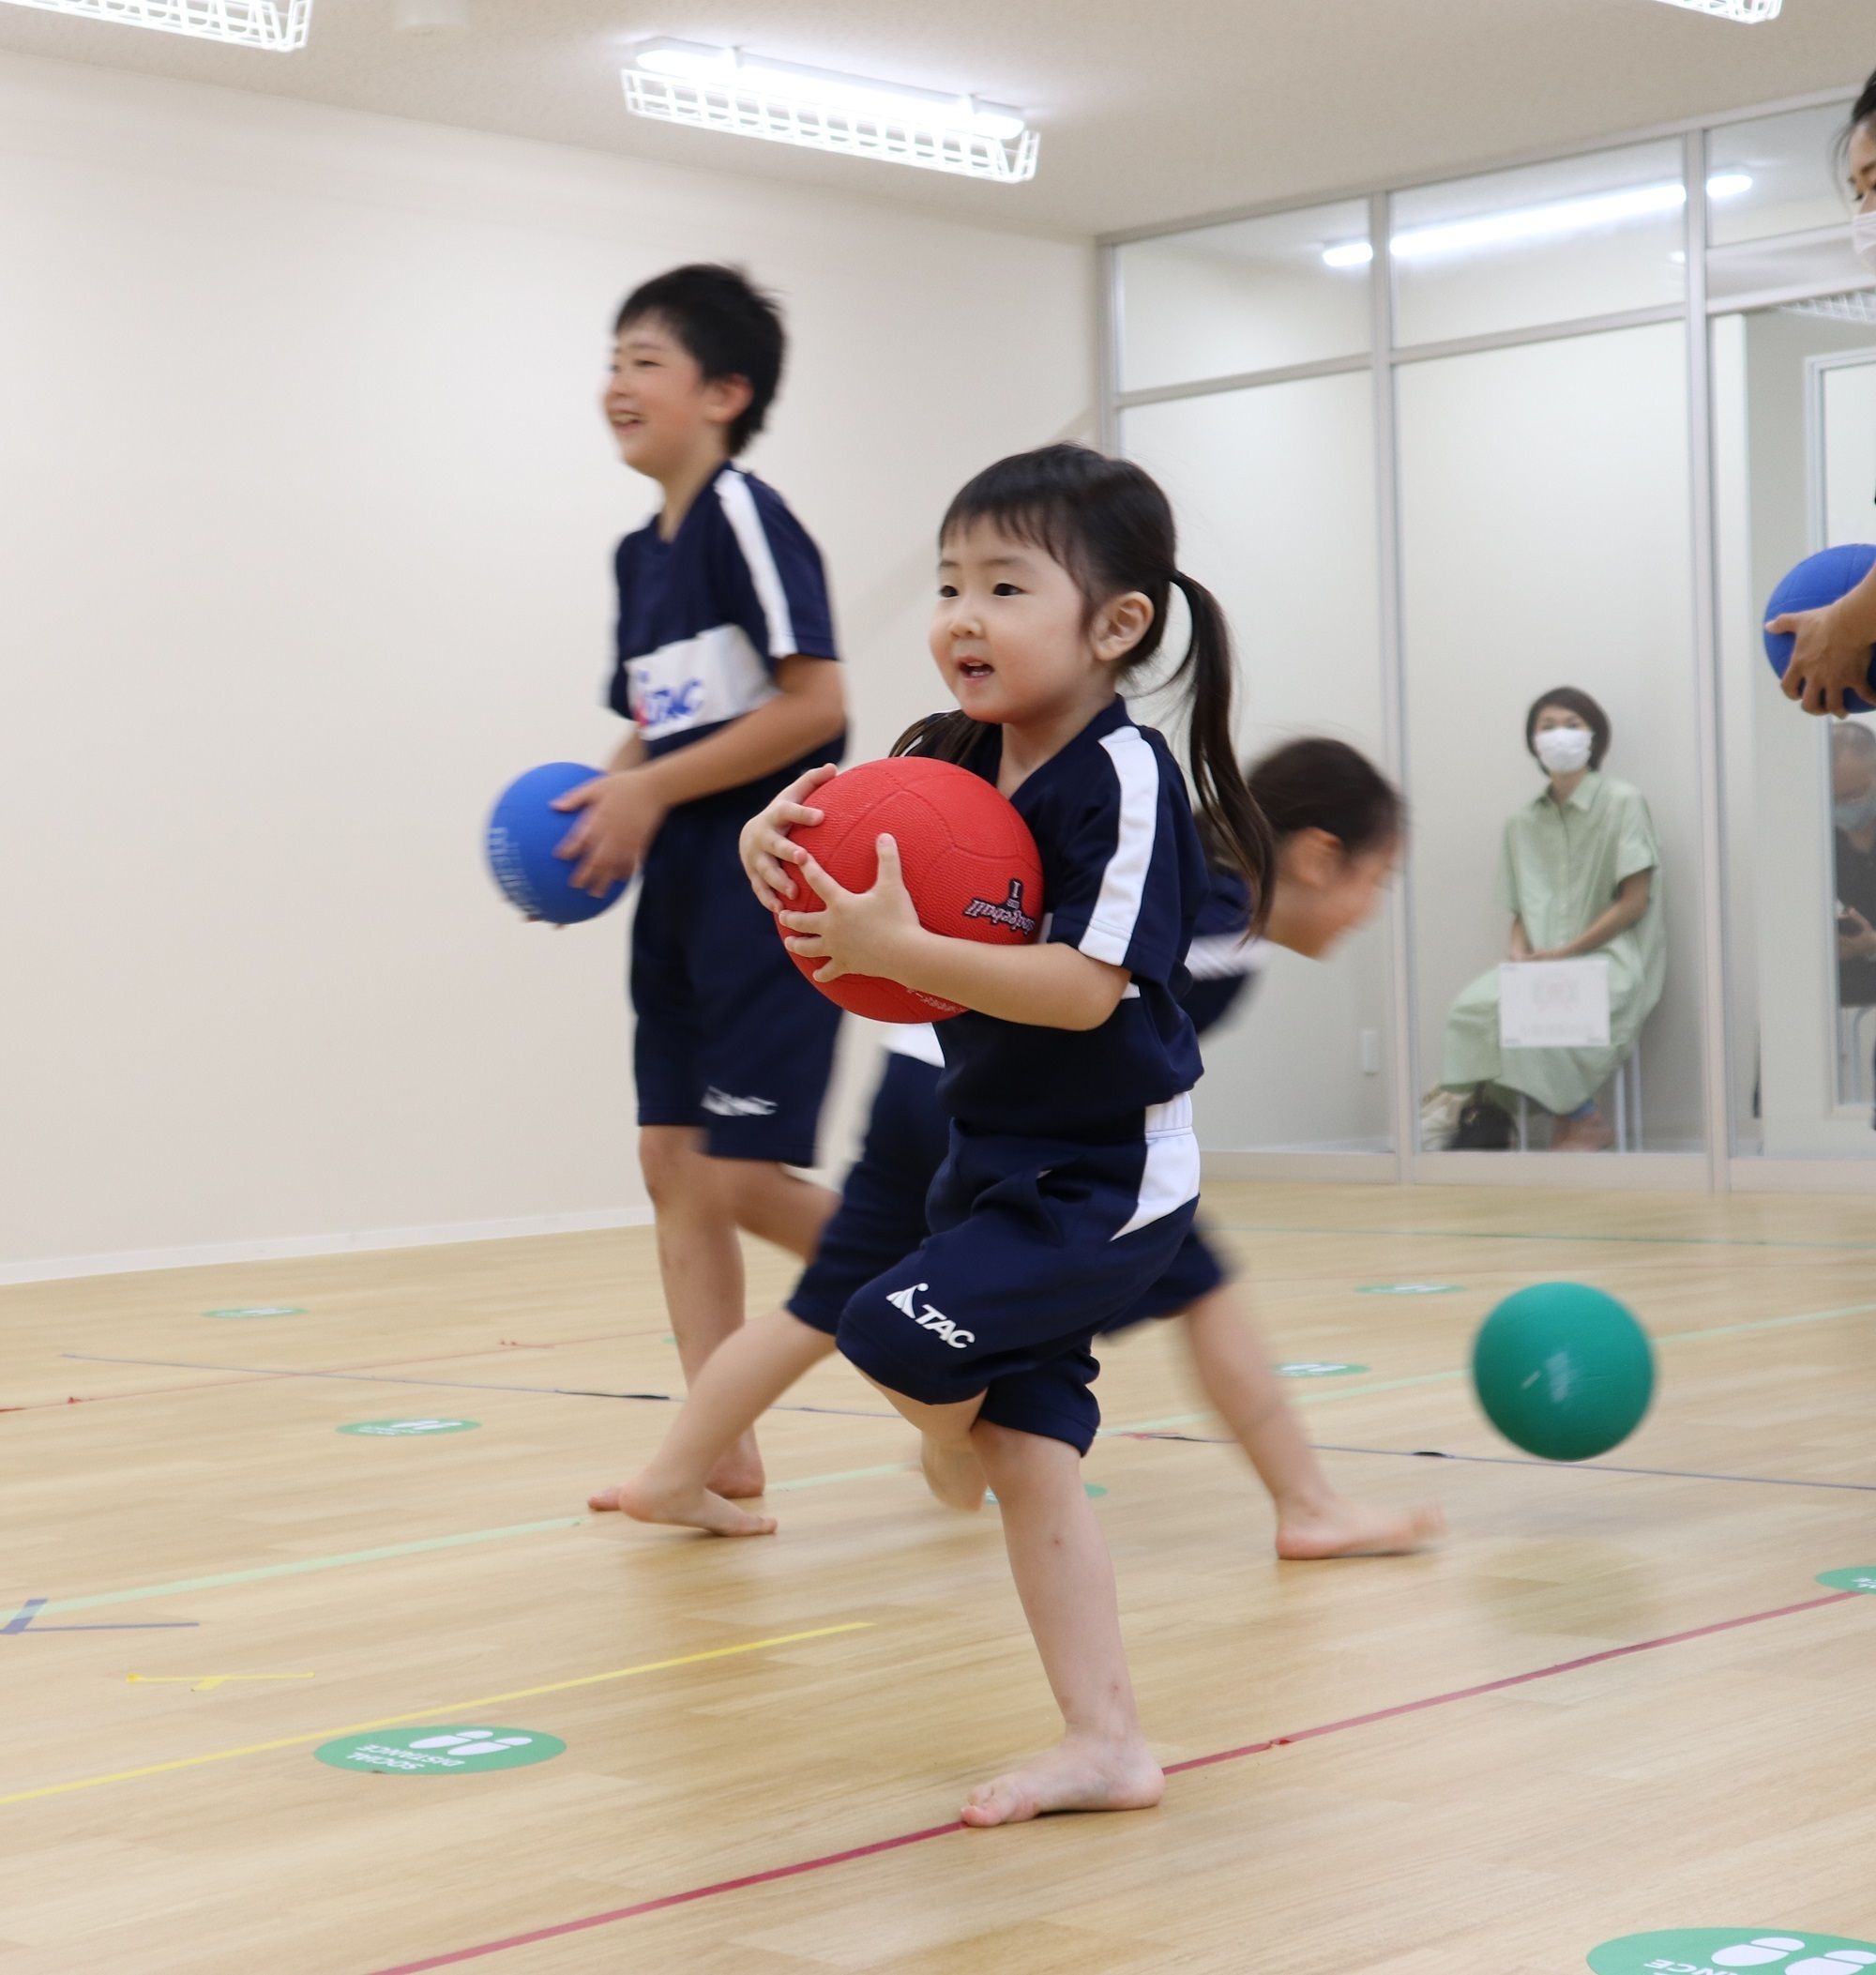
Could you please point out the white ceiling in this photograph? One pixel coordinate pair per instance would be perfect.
(1150, 110)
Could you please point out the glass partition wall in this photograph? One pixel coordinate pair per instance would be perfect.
(1526, 451)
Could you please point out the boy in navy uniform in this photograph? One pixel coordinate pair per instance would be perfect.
(725, 639)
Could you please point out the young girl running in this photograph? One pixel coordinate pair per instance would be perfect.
(1339, 826)
(1072, 1176)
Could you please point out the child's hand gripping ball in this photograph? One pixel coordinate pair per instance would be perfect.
(968, 860)
(523, 843)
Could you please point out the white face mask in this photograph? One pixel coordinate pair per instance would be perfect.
(1863, 239)
(1856, 815)
(1564, 750)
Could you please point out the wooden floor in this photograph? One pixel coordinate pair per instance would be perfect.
(767, 1740)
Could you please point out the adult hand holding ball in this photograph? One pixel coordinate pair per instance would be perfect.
(1821, 626)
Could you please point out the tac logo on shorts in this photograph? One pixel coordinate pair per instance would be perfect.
(930, 1319)
(1009, 913)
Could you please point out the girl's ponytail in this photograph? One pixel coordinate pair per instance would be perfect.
(1236, 831)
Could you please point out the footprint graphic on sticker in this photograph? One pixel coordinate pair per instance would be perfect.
(1770, 1950)
(479, 1742)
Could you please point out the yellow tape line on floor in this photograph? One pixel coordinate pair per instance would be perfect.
(464, 1709)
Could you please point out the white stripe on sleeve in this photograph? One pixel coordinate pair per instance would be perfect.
(739, 504)
(1116, 910)
(1220, 956)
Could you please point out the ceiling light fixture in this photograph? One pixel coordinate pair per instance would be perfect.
(784, 102)
(1746, 11)
(278, 25)
(1535, 222)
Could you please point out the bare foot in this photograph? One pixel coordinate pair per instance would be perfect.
(1583, 1134)
(1075, 1775)
(739, 1473)
(953, 1473)
(645, 1501)
(736, 1479)
(1344, 1528)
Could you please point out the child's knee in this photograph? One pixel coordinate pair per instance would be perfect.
(1002, 1447)
(808, 1340)
(1017, 1462)
(671, 1161)
(748, 1185)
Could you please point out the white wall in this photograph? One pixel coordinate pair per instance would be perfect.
(309, 549)
(1275, 493)
(1546, 541)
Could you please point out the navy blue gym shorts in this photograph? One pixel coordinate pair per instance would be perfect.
(731, 1037)
(1035, 1246)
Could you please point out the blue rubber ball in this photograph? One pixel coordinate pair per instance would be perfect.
(1819, 580)
(524, 830)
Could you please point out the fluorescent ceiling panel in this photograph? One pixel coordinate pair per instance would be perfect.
(784, 102)
(1748, 10)
(278, 25)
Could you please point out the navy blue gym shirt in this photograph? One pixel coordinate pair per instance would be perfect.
(1222, 959)
(705, 618)
(1123, 876)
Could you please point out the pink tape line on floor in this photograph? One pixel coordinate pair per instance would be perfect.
(457, 1956)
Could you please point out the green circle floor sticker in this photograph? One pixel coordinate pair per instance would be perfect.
(1411, 1289)
(441, 1751)
(408, 1429)
(1318, 1368)
(1718, 1951)
(259, 1310)
(1861, 1579)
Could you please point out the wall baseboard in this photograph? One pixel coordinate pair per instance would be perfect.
(211, 1254)
(1803, 1176)
(1567, 1171)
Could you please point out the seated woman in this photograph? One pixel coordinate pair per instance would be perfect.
(1580, 874)
(1852, 792)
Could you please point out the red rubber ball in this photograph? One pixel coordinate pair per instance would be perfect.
(970, 863)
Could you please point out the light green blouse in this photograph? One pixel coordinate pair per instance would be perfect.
(1559, 872)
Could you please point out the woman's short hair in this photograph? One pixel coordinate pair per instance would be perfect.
(1861, 112)
(1572, 701)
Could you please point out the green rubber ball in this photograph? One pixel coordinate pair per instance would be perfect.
(1563, 1371)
